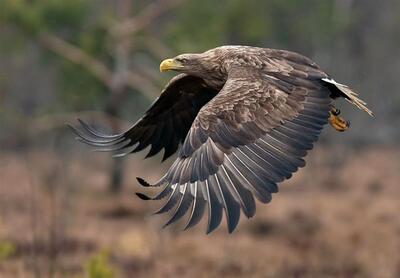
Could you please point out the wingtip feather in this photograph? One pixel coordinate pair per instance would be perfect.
(143, 196)
(143, 182)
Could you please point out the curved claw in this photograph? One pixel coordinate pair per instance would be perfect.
(335, 111)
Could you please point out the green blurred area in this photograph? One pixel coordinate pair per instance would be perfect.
(356, 41)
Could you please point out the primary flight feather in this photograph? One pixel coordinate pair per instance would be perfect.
(241, 118)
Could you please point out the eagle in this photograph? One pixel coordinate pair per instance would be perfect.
(241, 120)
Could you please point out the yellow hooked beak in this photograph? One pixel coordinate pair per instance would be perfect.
(170, 64)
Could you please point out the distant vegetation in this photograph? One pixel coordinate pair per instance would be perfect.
(61, 60)
(98, 267)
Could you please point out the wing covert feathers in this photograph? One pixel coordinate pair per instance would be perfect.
(237, 152)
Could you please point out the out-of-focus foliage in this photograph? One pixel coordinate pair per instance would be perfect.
(70, 20)
(7, 249)
(355, 41)
(253, 22)
(44, 15)
(98, 266)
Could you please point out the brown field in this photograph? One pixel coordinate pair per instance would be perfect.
(338, 217)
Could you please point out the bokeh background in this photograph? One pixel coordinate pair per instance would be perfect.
(68, 212)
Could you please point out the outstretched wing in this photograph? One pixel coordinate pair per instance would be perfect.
(251, 136)
(165, 124)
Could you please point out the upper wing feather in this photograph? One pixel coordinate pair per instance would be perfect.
(251, 136)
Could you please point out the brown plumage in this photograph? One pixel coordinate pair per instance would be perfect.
(244, 117)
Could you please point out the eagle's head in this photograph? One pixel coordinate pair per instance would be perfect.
(203, 65)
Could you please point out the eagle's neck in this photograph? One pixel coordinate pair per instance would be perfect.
(212, 70)
(215, 77)
(215, 82)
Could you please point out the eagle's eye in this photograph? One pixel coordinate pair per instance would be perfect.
(182, 60)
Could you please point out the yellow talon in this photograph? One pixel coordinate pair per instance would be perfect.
(337, 122)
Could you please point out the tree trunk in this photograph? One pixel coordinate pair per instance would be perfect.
(117, 167)
(119, 89)
(112, 109)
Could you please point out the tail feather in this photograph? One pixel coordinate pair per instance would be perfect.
(350, 95)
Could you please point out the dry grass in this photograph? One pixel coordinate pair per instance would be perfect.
(338, 217)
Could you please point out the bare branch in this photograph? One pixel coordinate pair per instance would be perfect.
(153, 75)
(145, 17)
(77, 56)
(96, 67)
(157, 47)
(143, 84)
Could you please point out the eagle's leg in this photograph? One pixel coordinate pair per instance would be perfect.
(337, 122)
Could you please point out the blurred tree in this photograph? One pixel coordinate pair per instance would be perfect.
(106, 48)
(99, 267)
(100, 44)
(301, 25)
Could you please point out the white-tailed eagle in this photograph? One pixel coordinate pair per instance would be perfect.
(241, 119)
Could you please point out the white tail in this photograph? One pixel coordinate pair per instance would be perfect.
(350, 95)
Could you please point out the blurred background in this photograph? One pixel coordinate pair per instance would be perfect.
(68, 212)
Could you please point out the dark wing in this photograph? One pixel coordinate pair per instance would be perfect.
(165, 124)
(251, 136)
